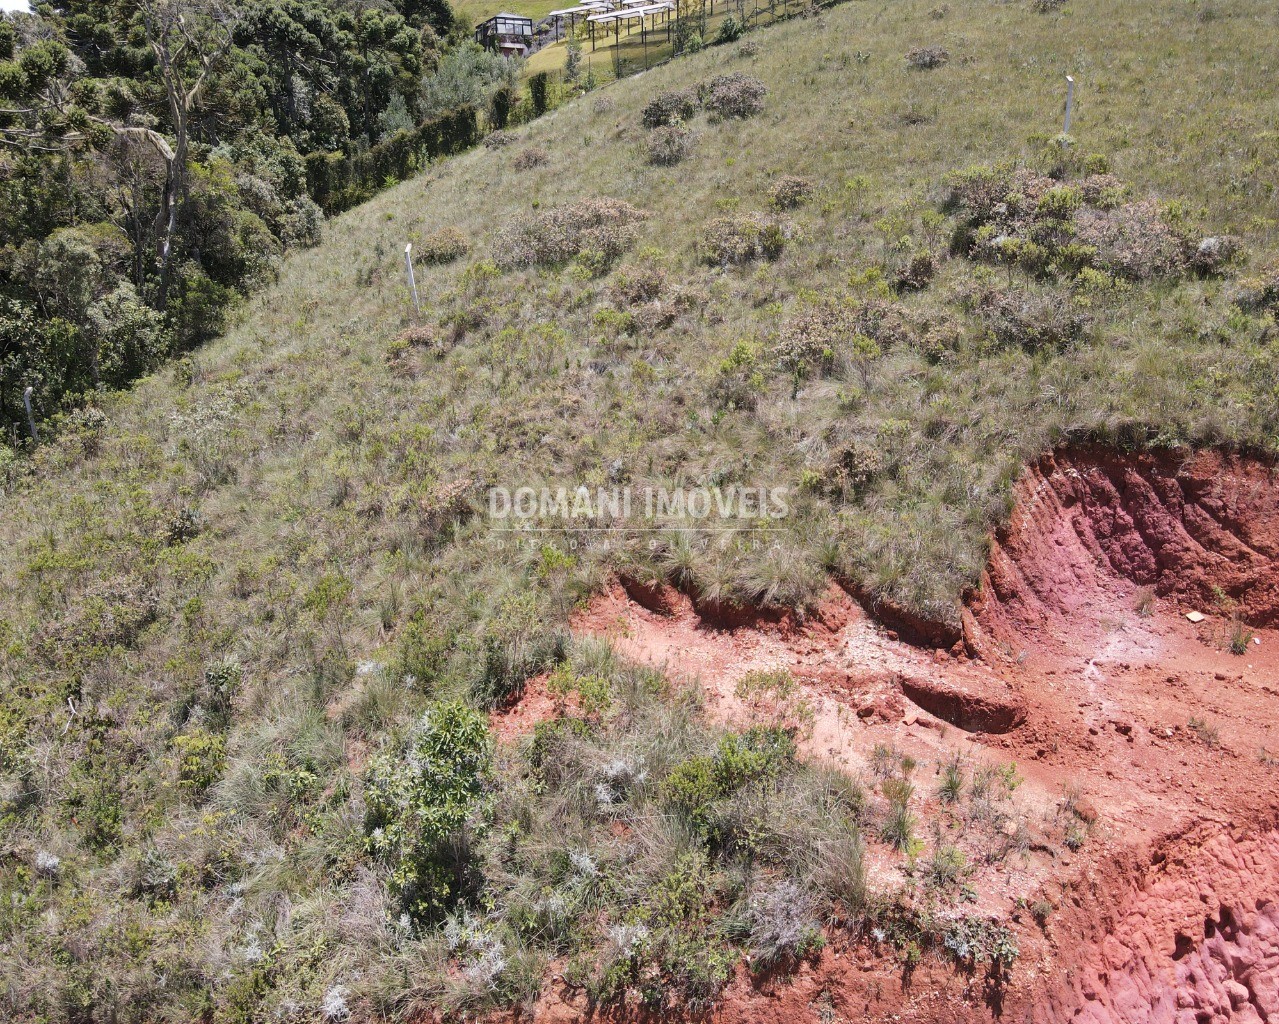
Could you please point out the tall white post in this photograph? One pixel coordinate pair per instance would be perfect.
(31, 419)
(1070, 102)
(408, 266)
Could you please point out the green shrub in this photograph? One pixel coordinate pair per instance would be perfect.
(738, 381)
(730, 30)
(424, 649)
(516, 643)
(695, 786)
(539, 89)
(422, 804)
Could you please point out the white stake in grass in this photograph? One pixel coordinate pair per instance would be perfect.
(1070, 102)
(31, 419)
(408, 266)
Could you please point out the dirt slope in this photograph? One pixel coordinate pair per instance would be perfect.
(1081, 665)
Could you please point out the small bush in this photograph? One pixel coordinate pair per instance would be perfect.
(423, 336)
(972, 941)
(527, 159)
(669, 144)
(1258, 293)
(498, 139)
(734, 240)
(1133, 240)
(926, 57)
(421, 803)
(783, 925)
(1212, 255)
(916, 271)
(443, 246)
(1031, 322)
(1046, 6)
(730, 30)
(733, 95)
(1103, 191)
(601, 229)
(945, 867)
(517, 642)
(639, 282)
(696, 785)
(737, 384)
(669, 107)
(835, 331)
(789, 192)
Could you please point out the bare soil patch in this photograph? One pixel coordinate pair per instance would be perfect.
(1078, 662)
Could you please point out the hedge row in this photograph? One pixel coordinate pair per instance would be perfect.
(337, 181)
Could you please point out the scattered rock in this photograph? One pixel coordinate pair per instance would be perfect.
(1085, 810)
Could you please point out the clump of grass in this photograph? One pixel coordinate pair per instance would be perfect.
(1204, 731)
(1144, 603)
(898, 829)
(841, 871)
(1240, 638)
(926, 58)
(946, 866)
(884, 760)
(951, 787)
(766, 684)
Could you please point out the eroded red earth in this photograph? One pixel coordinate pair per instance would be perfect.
(1078, 662)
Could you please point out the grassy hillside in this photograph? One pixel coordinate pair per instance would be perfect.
(227, 592)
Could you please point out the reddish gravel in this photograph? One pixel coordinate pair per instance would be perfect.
(1082, 666)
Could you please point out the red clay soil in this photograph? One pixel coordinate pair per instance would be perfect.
(1194, 936)
(1082, 667)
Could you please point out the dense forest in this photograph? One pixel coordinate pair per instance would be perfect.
(154, 164)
